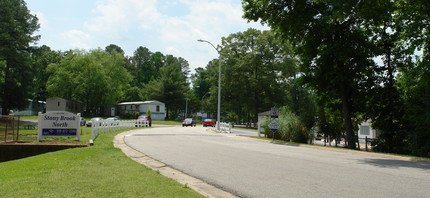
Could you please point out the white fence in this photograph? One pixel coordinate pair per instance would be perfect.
(225, 127)
(112, 126)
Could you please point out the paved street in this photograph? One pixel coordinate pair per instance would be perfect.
(254, 168)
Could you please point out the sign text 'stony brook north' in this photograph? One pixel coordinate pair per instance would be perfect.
(58, 124)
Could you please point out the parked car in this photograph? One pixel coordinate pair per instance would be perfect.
(145, 118)
(96, 119)
(112, 121)
(188, 122)
(83, 121)
(209, 122)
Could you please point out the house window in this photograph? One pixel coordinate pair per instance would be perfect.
(58, 103)
(364, 130)
(158, 108)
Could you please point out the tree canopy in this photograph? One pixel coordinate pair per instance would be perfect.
(339, 44)
(97, 78)
(17, 26)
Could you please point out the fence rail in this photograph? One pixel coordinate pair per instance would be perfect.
(225, 127)
(112, 126)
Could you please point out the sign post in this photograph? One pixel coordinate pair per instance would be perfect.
(59, 124)
(274, 124)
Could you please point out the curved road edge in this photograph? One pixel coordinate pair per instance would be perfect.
(198, 185)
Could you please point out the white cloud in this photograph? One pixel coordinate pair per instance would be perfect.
(42, 20)
(76, 39)
(171, 50)
(174, 26)
(118, 16)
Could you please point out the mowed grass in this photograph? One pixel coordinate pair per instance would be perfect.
(97, 171)
(167, 122)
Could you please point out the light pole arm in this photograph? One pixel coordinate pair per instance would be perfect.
(219, 85)
(200, 40)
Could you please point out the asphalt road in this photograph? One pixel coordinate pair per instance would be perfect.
(254, 168)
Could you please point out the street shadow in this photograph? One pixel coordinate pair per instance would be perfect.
(393, 163)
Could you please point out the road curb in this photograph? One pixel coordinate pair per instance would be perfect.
(196, 184)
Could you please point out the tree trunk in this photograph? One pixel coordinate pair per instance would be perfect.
(4, 104)
(346, 109)
(167, 113)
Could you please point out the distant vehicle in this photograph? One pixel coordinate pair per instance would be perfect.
(188, 122)
(112, 121)
(96, 119)
(209, 122)
(145, 118)
(83, 121)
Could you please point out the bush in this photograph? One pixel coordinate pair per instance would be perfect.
(292, 129)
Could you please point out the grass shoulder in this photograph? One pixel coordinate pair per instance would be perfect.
(166, 122)
(98, 171)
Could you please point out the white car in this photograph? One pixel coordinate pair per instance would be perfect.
(96, 119)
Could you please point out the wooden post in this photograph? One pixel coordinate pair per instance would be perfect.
(366, 142)
(358, 142)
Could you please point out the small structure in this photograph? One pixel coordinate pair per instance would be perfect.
(33, 108)
(263, 115)
(158, 109)
(365, 129)
(61, 104)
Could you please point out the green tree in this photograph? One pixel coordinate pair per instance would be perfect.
(112, 47)
(148, 112)
(319, 29)
(255, 65)
(134, 94)
(170, 88)
(17, 26)
(145, 69)
(41, 57)
(96, 78)
(414, 82)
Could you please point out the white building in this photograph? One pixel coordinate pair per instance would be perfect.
(33, 108)
(158, 109)
(365, 129)
(61, 104)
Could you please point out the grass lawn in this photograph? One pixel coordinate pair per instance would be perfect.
(98, 171)
(166, 122)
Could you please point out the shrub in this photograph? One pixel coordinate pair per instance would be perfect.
(292, 129)
(148, 112)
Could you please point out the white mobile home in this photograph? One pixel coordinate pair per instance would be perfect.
(158, 109)
(365, 129)
(61, 104)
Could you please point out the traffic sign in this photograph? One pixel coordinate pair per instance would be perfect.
(274, 112)
(274, 125)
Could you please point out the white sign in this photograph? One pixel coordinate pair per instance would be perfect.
(274, 125)
(59, 124)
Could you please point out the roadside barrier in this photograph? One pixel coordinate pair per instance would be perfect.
(225, 127)
(112, 126)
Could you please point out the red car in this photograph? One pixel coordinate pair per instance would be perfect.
(209, 122)
(188, 122)
(145, 118)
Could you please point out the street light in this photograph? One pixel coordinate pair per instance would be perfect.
(186, 106)
(203, 99)
(219, 86)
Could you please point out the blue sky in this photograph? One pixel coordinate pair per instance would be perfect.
(169, 26)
